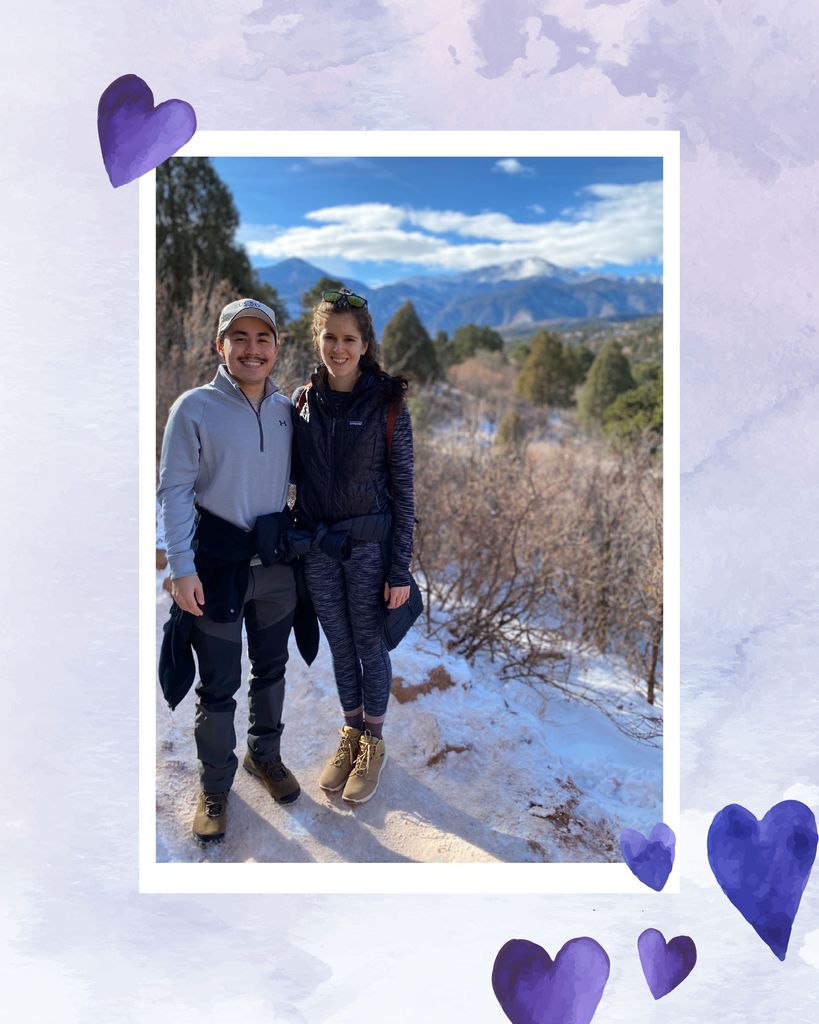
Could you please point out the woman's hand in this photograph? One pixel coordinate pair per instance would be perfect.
(395, 596)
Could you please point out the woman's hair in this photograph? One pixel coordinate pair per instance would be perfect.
(370, 358)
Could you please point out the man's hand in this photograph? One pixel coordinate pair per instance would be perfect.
(188, 594)
(395, 596)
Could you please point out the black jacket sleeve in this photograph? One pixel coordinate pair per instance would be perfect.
(403, 496)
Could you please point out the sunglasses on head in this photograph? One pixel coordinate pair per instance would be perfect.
(337, 294)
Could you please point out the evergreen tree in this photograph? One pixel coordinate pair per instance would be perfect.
(468, 339)
(520, 353)
(443, 349)
(196, 221)
(511, 431)
(406, 347)
(636, 412)
(580, 358)
(547, 376)
(608, 377)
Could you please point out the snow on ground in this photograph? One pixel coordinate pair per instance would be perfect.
(479, 769)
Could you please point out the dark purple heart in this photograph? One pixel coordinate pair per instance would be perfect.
(534, 989)
(665, 964)
(763, 867)
(134, 135)
(652, 859)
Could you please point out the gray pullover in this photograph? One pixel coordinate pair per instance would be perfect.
(220, 453)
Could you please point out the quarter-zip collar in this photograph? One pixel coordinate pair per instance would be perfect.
(225, 382)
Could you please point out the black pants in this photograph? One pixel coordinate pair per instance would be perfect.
(268, 615)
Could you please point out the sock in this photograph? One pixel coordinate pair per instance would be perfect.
(376, 728)
(355, 719)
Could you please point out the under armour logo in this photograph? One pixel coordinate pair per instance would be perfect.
(282, 423)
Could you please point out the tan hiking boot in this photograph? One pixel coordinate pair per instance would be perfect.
(363, 780)
(278, 780)
(210, 818)
(338, 768)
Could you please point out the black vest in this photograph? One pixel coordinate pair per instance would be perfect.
(340, 450)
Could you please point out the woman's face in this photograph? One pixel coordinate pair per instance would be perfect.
(341, 348)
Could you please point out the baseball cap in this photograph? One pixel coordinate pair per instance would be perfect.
(246, 307)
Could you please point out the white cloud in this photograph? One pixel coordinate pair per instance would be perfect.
(511, 165)
(620, 224)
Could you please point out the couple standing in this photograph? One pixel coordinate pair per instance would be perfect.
(224, 474)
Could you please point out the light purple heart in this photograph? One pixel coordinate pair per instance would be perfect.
(534, 989)
(665, 964)
(135, 136)
(652, 859)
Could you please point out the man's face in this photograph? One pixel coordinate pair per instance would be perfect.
(249, 348)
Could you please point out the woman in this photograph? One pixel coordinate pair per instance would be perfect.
(355, 493)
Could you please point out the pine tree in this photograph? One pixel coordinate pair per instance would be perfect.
(636, 412)
(511, 431)
(608, 377)
(547, 375)
(196, 221)
(443, 349)
(468, 339)
(406, 347)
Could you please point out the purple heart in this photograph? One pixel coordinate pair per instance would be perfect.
(135, 136)
(534, 989)
(763, 867)
(652, 859)
(665, 964)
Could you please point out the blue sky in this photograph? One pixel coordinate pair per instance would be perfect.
(379, 219)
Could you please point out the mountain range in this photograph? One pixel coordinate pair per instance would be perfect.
(529, 291)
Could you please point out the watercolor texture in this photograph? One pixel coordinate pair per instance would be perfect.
(534, 989)
(764, 866)
(665, 964)
(651, 859)
(136, 136)
(739, 82)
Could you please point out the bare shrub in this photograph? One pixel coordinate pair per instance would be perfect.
(486, 382)
(545, 558)
(185, 352)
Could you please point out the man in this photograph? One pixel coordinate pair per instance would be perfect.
(225, 463)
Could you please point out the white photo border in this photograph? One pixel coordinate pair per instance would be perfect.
(409, 878)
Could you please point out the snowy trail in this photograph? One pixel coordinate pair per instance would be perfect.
(479, 770)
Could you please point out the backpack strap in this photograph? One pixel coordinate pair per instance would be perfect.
(303, 396)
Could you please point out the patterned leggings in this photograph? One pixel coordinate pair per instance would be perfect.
(349, 601)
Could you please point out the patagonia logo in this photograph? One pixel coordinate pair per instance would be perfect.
(356, 423)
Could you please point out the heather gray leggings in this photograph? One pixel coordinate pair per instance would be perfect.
(349, 601)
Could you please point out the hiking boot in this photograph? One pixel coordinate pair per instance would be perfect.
(210, 818)
(363, 780)
(338, 768)
(278, 780)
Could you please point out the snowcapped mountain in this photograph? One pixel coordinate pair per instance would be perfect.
(524, 291)
(521, 270)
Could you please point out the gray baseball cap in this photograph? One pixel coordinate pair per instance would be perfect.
(246, 307)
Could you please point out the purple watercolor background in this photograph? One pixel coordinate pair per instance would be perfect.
(739, 81)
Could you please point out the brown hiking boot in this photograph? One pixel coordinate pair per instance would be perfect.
(278, 780)
(338, 768)
(363, 780)
(210, 818)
